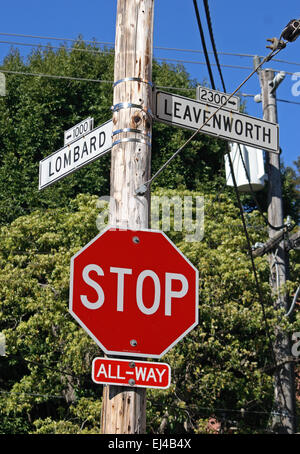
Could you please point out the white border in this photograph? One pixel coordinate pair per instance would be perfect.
(127, 384)
(130, 353)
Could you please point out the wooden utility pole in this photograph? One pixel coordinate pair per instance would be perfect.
(124, 409)
(284, 386)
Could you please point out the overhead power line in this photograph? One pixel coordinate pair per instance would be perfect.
(54, 76)
(163, 59)
(101, 52)
(175, 49)
(100, 81)
(49, 396)
(80, 79)
(204, 44)
(194, 62)
(246, 95)
(241, 411)
(255, 273)
(206, 7)
(56, 39)
(50, 46)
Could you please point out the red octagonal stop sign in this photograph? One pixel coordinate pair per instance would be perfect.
(134, 292)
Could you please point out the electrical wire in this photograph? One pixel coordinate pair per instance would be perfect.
(170, 60)
(242, 411)
(175, 49)
(209, 23)
(210, 409)
(294, 302)
(178, 61)
(53, 76)
(242, 214)
(248, 68)
(204, 44)
(280, 227)
(288, 101)
(239, 146)
(206, 7)
(258, 287)
(57, 39)
(142, 189)
(82, 79)
(277, 99)
(2, 391)
(50, 46)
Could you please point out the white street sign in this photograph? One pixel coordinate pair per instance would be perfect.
(217, 98)
(225, 124)
(78, 130)
(75, 155)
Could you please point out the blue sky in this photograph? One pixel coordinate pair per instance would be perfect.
(240, 27)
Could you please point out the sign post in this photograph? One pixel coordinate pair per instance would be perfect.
(124, 408)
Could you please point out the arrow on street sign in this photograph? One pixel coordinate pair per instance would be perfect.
(225, 124)
(78, 130)
(217, 98)
(75, 155)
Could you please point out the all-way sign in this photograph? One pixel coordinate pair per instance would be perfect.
(127, 372)
(225, 124)
(75, 155)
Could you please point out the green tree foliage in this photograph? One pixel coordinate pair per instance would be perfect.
(291, 182)
(37, 110)
(34, 115)
(225, 363)
(44, 373)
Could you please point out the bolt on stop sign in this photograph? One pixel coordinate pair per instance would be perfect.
(133, 292)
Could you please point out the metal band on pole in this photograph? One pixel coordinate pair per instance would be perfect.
(132, 139)
(133, 79)
(136, 131)
(130, 105)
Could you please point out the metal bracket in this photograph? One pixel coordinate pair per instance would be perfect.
(130, 105)
(136, 131)
(132, 139)
(133, 79)
(142, 190)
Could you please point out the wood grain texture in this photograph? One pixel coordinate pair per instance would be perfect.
(124, 409)
(131, 162)
(284, 376)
